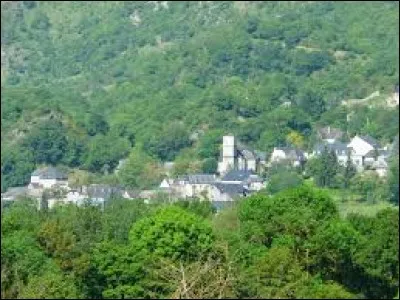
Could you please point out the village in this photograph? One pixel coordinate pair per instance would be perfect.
(238, 174)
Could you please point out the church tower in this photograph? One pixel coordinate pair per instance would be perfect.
(229, 153)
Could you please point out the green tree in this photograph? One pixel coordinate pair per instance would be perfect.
(283, 180)
(50, 285)
(140, 170)
(297, 212)
(209, 143)
(210, 166)
(332, 249)
(370, 186)
(105, 151)
(172, 232)
(324, 168)
(119, 271)
(380, 265)
(47, 142)
(394, 179)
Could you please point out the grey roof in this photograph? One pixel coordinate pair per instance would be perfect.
(50, 173)
(231, 189)
(370, 140)
(380, 152)
(293, 153)
(371, 153)
(254, 178)
(237, 175)
(336, 146)
(247, 154)
(200, 178)
(103, 191)
(330, 133)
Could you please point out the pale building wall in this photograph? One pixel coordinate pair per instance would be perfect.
(216, 195)
(277, 155)
(342, 159)
(256, 186)
(357, 160)
(35, 179)
(360, 147)
(251, 165)
(381, 172)
(228, 153)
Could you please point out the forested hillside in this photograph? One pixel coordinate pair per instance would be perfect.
(85, 84)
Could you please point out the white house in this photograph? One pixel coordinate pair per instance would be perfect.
(359, 147)
(48, 177)
(281, 154)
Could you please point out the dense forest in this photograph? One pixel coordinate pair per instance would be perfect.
(291, 245)
(86, 84)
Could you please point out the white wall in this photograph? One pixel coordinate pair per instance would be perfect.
(251, 165)
(277, 155)
(360, 147)
(35, 179)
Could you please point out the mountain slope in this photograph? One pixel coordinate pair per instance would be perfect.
(149, 68)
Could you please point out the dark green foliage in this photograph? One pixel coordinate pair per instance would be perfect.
(394, 178)
(324, 169)
(167, 145)
(47, 142)
(119, 215)
(96, 124)
(296, 212)
(208, 145)
(16, 167)
(202, 208)
(209, 166)
(380, 265)
(104, 152)
(282, 180)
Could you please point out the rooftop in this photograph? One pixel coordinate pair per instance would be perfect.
(237, 175)
(230, 188)
(336, 146)
(370, 140)
(103, 191)
(200, 178)
(50, 173)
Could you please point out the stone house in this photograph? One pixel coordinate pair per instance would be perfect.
(48, 177)
(295, 156)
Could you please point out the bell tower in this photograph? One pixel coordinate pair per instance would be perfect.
(229, 152)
